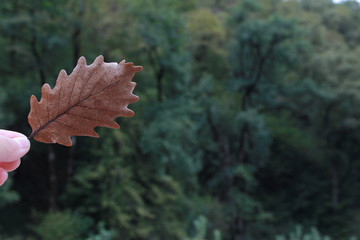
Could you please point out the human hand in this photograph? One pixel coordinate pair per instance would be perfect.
(13, 146)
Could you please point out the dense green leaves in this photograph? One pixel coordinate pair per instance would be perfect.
(247, 125)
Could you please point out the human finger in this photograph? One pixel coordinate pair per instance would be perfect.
(12, 149)
(10, 166)
(11, 134)
(3, 176)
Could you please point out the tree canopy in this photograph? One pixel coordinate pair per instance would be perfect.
(247, 126)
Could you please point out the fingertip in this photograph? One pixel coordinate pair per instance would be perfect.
(12, 149)
(10, 166)
(23, 143)
(11, 134)
(3, 176)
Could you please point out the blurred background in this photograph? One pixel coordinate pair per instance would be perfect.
(247, 126)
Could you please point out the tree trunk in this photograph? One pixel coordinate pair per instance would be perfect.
(50, 152)
(52, 179)
(242, 140)
(38, 60)
(335, 185)
(239, 232)
(70, 163)
(76, 44)
(75, 38)
(159, 77)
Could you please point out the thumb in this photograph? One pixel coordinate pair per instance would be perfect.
(12, 149)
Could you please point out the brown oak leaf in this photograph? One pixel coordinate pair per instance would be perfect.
(90, 96)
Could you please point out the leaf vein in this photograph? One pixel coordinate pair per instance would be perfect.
(91, 75)
(66, 125)
(37, 116)
(97, 108)
(92, 119)
(114, 83)
(72, 90)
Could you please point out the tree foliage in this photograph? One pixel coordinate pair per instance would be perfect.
(247, 124)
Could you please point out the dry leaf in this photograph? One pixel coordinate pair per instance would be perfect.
(90, 96)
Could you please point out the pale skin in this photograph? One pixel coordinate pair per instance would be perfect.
(13, 146)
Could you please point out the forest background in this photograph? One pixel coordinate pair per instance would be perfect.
(247, 126)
